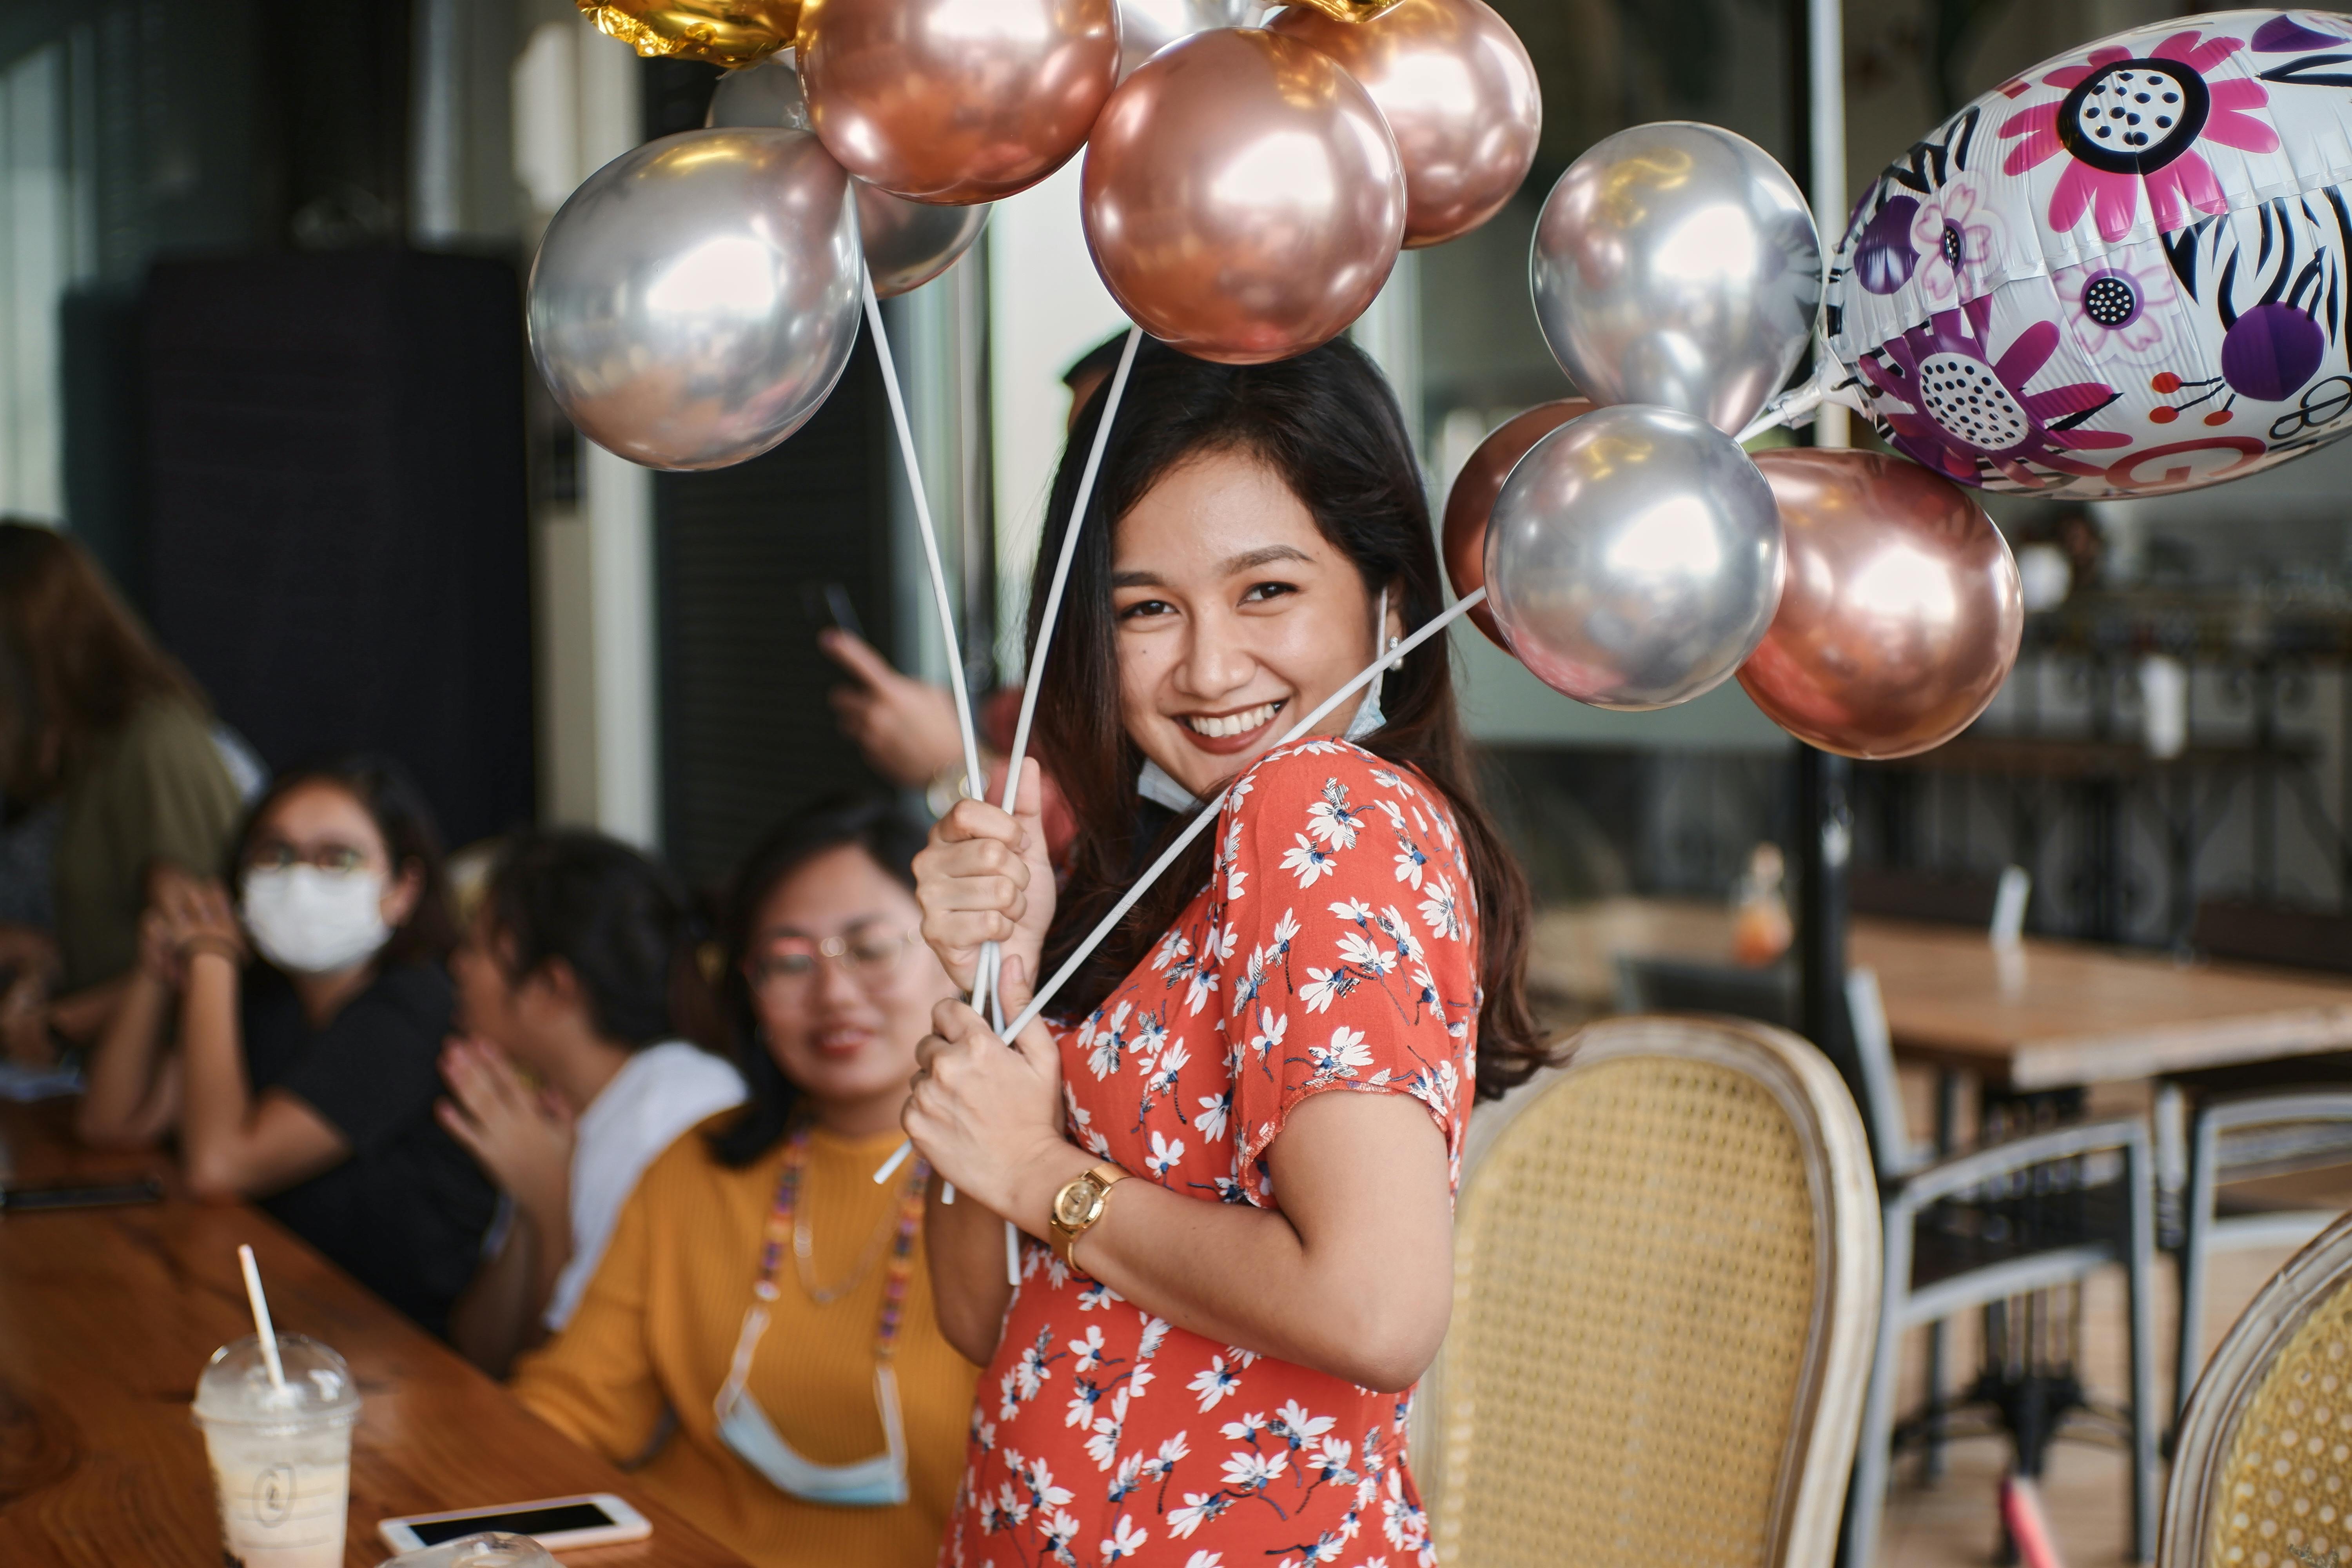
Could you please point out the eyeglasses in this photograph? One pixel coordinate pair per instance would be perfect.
(871, 957)
(335, 859)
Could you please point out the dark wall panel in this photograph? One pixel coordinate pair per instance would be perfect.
(748, 734)
(339, 548)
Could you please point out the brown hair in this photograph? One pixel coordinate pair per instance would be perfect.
(84, 662)
(1327, 422)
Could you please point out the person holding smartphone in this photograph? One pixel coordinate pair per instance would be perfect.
(763, 1319)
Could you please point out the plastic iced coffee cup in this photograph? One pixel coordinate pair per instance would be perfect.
(281, 1457)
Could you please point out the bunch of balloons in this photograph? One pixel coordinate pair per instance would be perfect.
(1246, 190)
(1635, 556)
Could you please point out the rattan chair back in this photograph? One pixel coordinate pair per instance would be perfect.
(1666, 1282)
(2261, 1475)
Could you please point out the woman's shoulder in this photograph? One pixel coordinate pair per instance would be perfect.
(689, 1169)
(1322, 787)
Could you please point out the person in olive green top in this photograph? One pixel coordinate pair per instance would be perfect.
(96, 717)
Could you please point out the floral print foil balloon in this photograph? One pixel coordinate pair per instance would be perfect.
(2122, 273)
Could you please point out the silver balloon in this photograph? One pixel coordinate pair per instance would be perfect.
(1147, 27)
(1634, 558)
(768, 93)
(907, 243)
(696, 300)
(1676, 264)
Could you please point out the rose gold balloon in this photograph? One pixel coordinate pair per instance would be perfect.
(1472, 498)
(1902, 613)
(956, 101)
(1456, 87)
(1242, 196)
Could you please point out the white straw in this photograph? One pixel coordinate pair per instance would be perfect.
(1199, 825)
(992, 956)
(930, 538)
(262, 1326)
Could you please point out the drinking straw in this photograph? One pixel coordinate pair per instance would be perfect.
(262, 1326)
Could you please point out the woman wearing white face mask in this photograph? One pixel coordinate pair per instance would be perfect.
(292, 1040)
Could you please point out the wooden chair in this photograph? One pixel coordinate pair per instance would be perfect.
(1665, 1281)
(2263, 1472)
(1964, 1231)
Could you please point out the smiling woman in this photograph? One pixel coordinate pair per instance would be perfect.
(1304, 1007)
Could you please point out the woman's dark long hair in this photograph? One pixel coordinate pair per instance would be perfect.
(890, 839)
(397, 806)
(1328, 425)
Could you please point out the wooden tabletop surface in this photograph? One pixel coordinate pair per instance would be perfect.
(2045, 1015)
(107, 1316)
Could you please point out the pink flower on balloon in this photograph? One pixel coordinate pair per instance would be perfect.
(1959, 235)
(2131, 122)
(1951, 403)
(2117, 304)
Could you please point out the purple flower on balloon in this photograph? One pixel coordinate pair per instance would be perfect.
(2118, 304)
(1958, 237)
(1884, 259)
(1957, 406)
(2128, 123)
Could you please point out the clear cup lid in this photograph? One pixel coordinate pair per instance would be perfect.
(491, 1548)
(236, 1385)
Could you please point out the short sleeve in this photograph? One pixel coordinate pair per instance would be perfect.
(374, 1073)
(1345, 935)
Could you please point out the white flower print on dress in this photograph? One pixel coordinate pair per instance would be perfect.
(1308, 863)
(1126, 1541)
(1165, 1154)
(1331, 819)
(1439, 912)
(1215, 1382)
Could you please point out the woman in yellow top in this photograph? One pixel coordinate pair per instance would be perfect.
(760, 1288)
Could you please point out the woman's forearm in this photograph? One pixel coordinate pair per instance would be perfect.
(1353, 1277)
(125, 1103)
(963, 1245)
(218, 1098)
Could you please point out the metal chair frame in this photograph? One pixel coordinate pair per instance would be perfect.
(2204, 1231)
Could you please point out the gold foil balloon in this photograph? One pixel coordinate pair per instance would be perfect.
(1902, 611)
(1472, 499)
(956, 101)
(1352, 10)
(723, 32)
(1456, 87)
(1242, 196)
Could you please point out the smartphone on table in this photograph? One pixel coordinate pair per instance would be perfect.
(591, 1519)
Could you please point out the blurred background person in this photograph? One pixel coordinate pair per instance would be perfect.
(578, 996)
(839, 1435)
(291, 1039)
(97, 720)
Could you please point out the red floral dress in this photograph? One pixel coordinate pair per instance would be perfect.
(1334, 948)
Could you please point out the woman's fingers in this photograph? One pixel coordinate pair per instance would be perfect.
(977, 820)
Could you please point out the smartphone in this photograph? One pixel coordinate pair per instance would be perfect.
(827, 604)
(559, 1524)
(78, 1194)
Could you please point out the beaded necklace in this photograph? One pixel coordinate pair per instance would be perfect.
(782, 1236)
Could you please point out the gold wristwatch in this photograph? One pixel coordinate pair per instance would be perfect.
(1080, 1205)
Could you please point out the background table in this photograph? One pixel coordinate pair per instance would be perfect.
(2045, 1015)
(107, 1316)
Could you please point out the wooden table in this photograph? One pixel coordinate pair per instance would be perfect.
(2045, 1015)
(107, 1316)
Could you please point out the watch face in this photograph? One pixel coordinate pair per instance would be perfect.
(1075, 1203)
